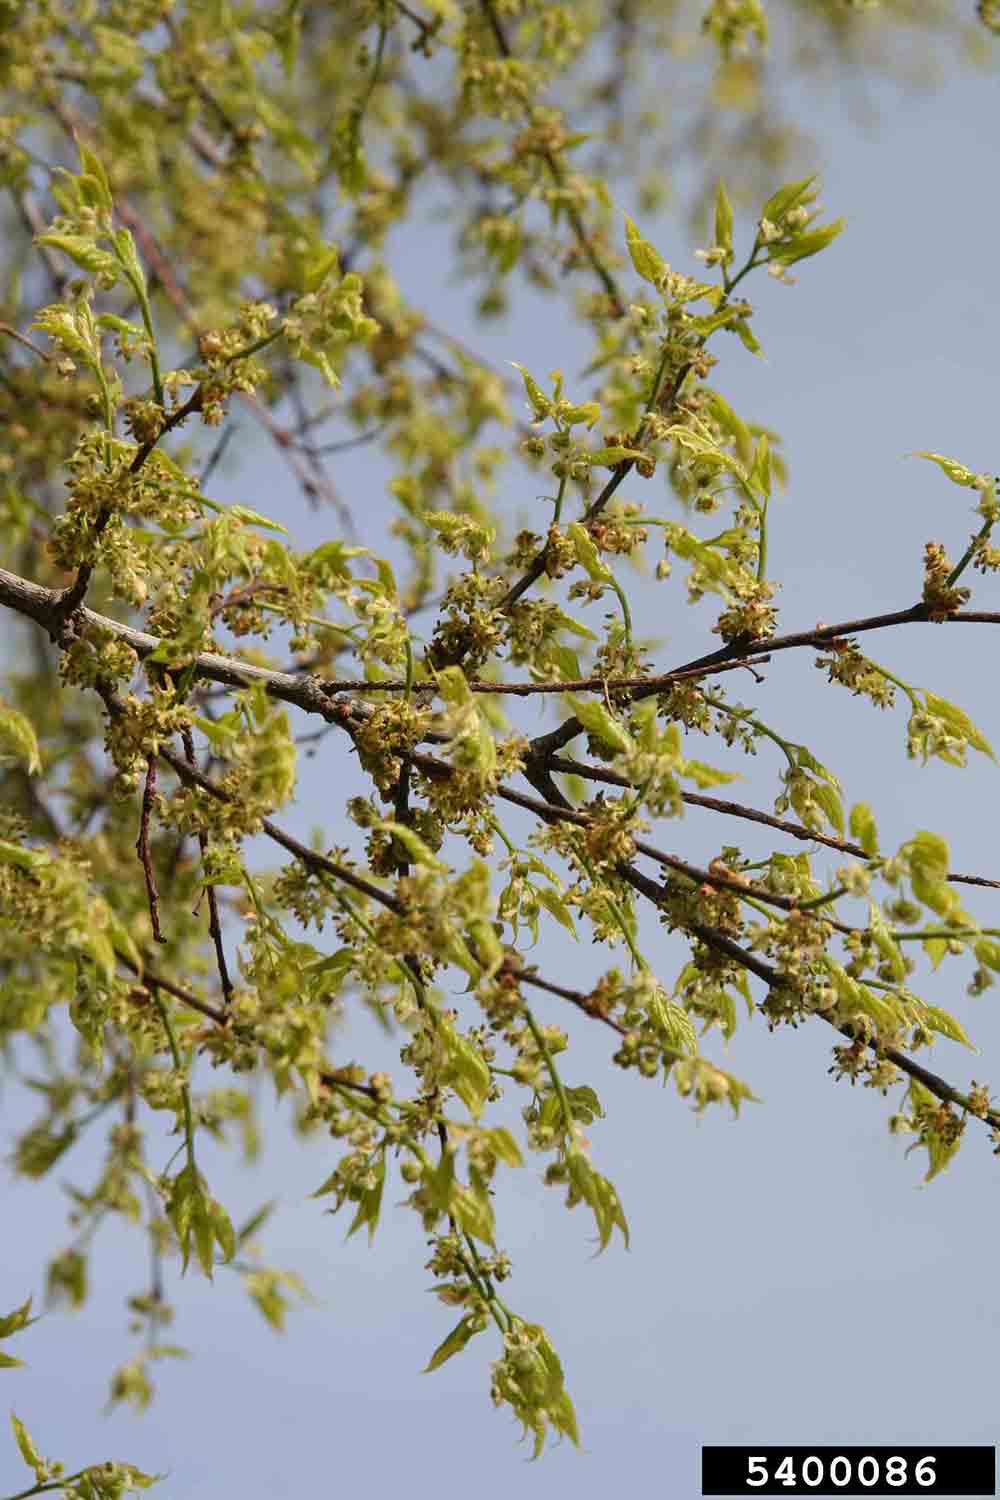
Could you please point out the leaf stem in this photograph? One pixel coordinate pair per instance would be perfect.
(744, 716)
(969, 553)
(490, 1297)
(966, 933)
(553, 1072)
(175, 1054)
(557, 512)
(52, 1484)
(762, 544)
(408, 688)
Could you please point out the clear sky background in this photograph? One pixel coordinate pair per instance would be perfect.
(789, 1280)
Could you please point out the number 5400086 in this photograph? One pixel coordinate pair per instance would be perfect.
(840, 1472)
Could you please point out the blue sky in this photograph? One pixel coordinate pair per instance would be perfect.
(789, 1279)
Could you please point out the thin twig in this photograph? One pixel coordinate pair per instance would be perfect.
(215, 457)
(616, 299)
(745, 646)
(556, 685)
(214, 926)
(12, 333)
(301, 852)
(589, 1004)
(142, 848)
(151, 979)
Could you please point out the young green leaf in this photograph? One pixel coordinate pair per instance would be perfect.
(504, 1146)
(597, 721)
(466, 1070)
(473, 1212)
(956, 472)
(862, 827)
(946, 1025)
(85, 253)
(94, 170)
(646, 259)
(18, 738)
(804, 245)
(13, 1322)
(723, 220)
(540, 403)
(556, 907)
(600, 1195)
(587, 553)
(958, 721)
(370, 1199)
(454, 1343)
(27, 1449)
(792, 195)
(419, 852)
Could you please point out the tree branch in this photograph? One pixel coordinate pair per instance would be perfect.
(214, 925)
(584, 1002)
(739, 810)
(313, 696)
(772, 977)
(306, 856)
(551, 813)
(554, 685)
(143, 851)
(37, 603)
(615, 296)
(744, 647)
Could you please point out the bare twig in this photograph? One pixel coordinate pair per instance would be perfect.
(12, 333)
(214, 926)
(153, 980)
(301, 852)
(745, 646)
(616, 299)
(588, 1003)
(558, 685)
(142, 848)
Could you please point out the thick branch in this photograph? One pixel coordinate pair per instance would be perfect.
(312, 696)
(42, 605)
